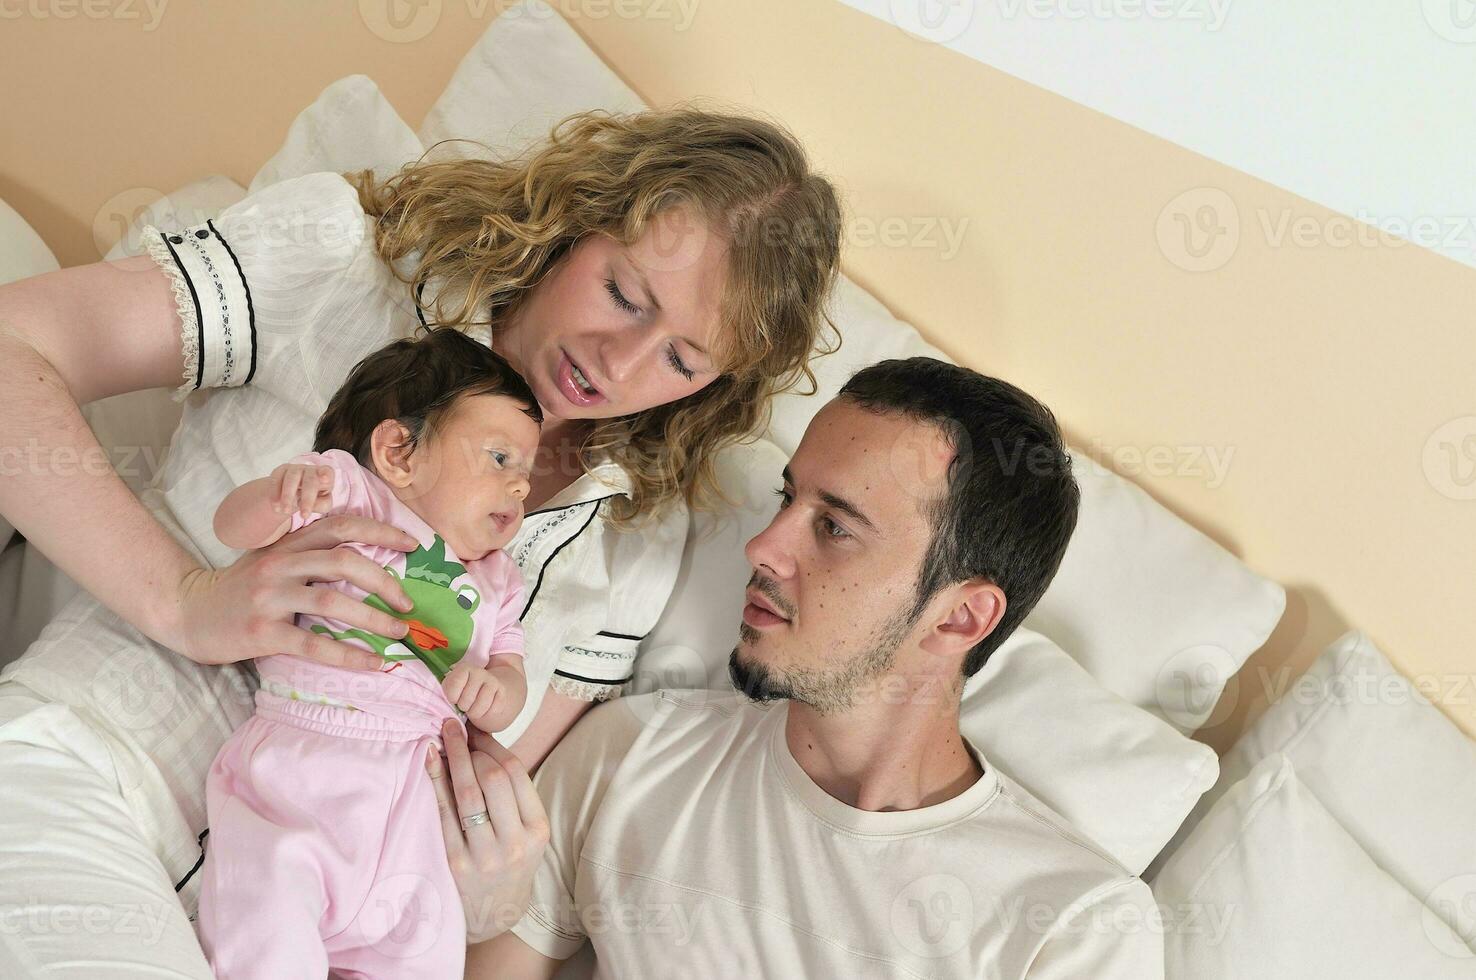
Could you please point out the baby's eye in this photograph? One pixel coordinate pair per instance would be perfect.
(499, 457)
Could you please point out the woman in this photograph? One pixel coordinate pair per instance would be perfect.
(654, 277)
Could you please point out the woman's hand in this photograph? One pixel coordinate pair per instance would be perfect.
(245, 610)
(493, 860)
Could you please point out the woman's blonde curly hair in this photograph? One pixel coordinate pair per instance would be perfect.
(494, 228)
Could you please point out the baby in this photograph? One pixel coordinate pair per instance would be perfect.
(325, 847)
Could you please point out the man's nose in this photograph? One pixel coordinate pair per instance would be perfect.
(770, 550)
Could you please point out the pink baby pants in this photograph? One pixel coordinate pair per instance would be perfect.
(325, 848)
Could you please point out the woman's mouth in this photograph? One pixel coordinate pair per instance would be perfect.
(575, 385)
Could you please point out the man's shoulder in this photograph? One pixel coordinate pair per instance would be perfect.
(1047, 838)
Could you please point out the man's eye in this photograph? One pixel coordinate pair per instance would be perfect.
(784, 498)
(832, 529)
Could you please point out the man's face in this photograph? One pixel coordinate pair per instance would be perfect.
(833, 588)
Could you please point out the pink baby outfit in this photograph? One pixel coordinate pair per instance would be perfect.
(325, 848)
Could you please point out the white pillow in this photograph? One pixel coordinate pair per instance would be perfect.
(1269, 885)
(1120, 776)
(1158, 612)
(528, 71)
(349, 127)
(1387, 764)
(689, 646)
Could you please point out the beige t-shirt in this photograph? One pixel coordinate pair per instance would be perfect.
(686, 840)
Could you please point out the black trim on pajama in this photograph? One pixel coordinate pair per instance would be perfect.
(250, 306)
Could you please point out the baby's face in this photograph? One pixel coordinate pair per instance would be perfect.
(471, 477)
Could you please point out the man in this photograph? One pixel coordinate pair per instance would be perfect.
(834, 822)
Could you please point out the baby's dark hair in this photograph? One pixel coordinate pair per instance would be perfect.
(416, 381)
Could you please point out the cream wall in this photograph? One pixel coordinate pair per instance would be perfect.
(1027, 236)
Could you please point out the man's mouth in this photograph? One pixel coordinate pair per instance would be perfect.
(760, 613)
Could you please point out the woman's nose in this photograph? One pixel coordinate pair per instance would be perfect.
(626, 353)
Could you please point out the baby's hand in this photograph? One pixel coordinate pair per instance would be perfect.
(302, 488)
(475, 690)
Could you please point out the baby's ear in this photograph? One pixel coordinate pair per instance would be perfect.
(390, 447)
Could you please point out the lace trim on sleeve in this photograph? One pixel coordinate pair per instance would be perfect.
(184, 305)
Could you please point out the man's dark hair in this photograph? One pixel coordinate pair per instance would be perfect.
(416, 381)
(1011, 501)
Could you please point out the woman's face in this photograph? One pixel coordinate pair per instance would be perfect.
(614, 329)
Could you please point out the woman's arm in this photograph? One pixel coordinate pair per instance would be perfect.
(556, 715)
(73, 336)
(493, 861)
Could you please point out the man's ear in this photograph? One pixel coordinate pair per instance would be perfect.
(973, 609)
(390, 448)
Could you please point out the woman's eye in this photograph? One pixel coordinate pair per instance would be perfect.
(832, 529)
(784, 498)
(613, 289)
(677, 365)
